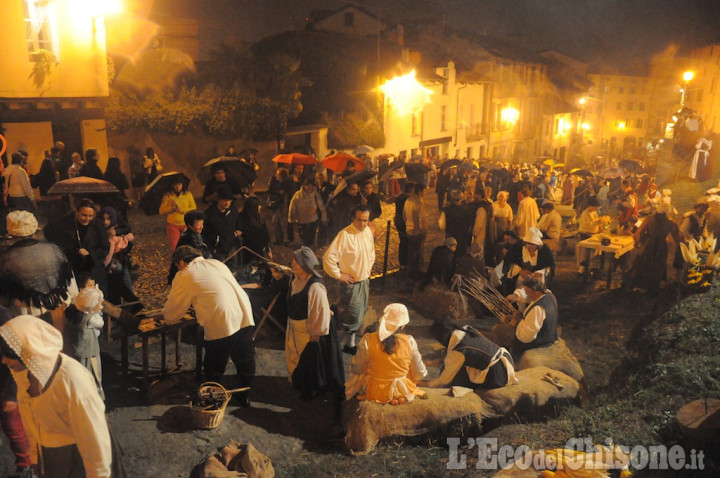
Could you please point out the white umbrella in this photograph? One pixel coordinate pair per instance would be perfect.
(363, 149)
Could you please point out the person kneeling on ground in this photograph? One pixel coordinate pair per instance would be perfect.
(471, 360)
(442, 264)
(387, 364)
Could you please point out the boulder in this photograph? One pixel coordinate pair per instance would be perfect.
(556, 356)
(365, 423)
(437, 300)
(532, 397)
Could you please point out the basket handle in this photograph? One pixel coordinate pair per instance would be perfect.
(243, 389)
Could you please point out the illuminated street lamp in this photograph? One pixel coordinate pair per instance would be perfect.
(406, 94)
(509, 116)
(621, 125)
(687, 76)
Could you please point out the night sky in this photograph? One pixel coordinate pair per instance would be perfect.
(606, 33)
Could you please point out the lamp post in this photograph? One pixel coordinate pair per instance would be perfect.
(687, 77)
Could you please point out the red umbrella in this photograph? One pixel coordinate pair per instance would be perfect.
(82, 185)
(337, 162)
(294, 158)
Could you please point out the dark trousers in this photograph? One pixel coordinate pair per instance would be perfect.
(415, 254)
(307, 233)
(239, 347)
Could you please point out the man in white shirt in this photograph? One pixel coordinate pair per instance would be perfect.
(223, 310)
(349, 260)
(527, 212)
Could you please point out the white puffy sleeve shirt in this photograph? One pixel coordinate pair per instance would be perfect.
(221, 306)
(68, 412)
(351, 252)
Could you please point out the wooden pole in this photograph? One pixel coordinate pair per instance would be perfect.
(387, 247)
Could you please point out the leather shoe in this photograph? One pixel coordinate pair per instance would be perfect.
(350, 350)
(243, 400)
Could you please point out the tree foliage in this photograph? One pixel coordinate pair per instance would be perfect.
(235, 95)
(349, 130)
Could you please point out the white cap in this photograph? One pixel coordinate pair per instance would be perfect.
(394, 316)
(533, 236)
(21, 224)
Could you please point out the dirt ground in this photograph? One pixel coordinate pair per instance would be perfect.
(300, 437)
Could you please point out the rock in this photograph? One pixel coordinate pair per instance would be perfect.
(557, 357)
(365, 423)
(532, 397)
(435, 301)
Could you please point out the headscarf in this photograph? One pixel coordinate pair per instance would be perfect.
(35, 273)
(394, 316)
(37, 343)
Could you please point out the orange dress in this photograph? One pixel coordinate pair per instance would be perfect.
(380, 377)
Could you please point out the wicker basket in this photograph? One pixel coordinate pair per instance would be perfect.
(209, 419)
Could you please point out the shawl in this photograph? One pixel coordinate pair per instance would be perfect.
(37, 343)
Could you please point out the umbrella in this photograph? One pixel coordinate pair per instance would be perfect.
(337, 162)
(548, 162)
(236, 169)
(363, 149)
(415, 172)
(154, 192)
(82, 185)
(613, 173)
(358, 177)
(294, 158)
(395, 165)
(630, 165)
(450, 163)
(580, 172)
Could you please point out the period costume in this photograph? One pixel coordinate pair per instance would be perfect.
(381, 377)
(313, 365)
(222, 308)
(538, 327)
(471, 360)
(64, 420)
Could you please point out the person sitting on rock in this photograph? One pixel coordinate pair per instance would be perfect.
(442, 264)
(387, 364)
(528, 258)
(535, 325)
(471, 360)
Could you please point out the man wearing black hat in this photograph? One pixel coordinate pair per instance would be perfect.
(220, 178)
(221, 230)
(471, 360)
(222, 308)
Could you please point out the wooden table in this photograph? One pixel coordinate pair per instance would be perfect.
(614, 252)
(162, 329)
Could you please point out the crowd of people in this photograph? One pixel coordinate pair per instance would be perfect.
(500, 221)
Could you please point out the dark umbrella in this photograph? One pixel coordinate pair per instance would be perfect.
(358, 177)
(416, 172)
(395, 165)
(450, 163)
(238, 170)
(154, 192)
(630, 165)
(82, 185)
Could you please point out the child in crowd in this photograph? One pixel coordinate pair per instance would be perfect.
(83, 322)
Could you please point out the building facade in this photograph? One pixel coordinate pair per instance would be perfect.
(56, 76)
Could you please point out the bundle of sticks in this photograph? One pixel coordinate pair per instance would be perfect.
(478, 287)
